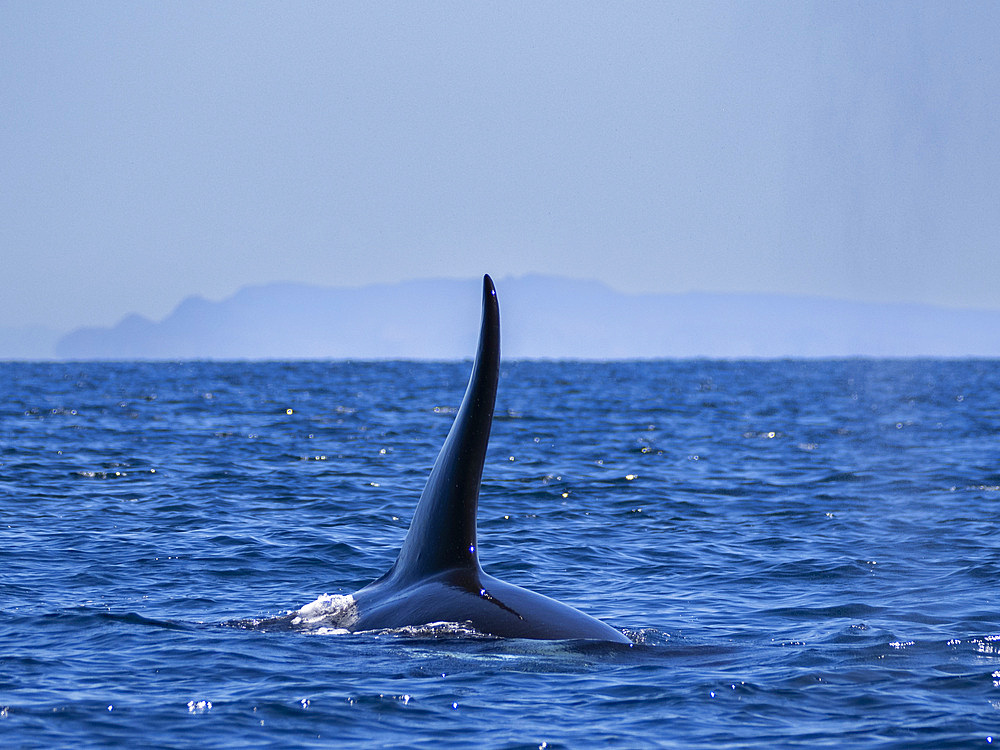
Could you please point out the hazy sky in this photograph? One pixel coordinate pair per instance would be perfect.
(151, 151)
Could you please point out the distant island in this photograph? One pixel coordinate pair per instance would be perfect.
(542, 317)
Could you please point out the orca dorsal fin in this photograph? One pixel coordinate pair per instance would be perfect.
(442, 534)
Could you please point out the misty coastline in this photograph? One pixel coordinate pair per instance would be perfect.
(545, 317)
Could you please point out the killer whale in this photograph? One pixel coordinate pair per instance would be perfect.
(437, 576)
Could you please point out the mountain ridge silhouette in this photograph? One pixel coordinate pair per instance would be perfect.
(542, 317)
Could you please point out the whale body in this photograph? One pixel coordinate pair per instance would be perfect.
(437, 576)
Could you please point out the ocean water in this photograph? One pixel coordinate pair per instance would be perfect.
(804, 554)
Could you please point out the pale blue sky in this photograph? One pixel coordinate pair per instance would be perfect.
(151, 151)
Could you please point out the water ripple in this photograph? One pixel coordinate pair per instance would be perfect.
(802, 553)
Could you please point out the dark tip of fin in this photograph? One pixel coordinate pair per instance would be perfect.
(442, 534)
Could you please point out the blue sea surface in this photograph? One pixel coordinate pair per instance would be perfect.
(804, 554)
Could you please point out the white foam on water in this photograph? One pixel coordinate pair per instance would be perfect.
(439, 629)
(330, 614)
